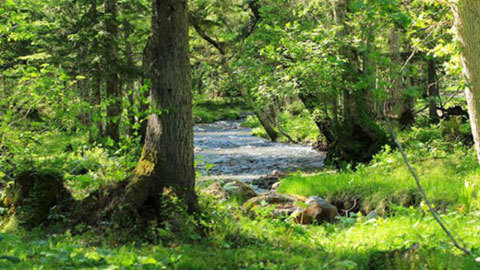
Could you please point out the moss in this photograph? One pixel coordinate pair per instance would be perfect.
(34, 194)
(146, 165)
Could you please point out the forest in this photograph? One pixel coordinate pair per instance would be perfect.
(240, 134)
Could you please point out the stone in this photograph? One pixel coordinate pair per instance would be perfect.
(229, 189)
(372, 215)
(215, 190)
(266, 182)
(239, 190)
(316, 210)
(284, 205)
(275, 186)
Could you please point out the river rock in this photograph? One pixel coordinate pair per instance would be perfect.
(275, 186)
(215, 190)
(239, 190)
(266, 182)
(229, 189)
(316, 210)
(284, 205)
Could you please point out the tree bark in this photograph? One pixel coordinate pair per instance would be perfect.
(395, 76)
(96, 91)
(167, 158)
(113, 89)
(467, 22)
(432, 91)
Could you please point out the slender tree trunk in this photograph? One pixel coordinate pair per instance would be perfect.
(261, 114)
(467, 21)
(167, 158)
(432, 91)
(96, 91)
(396, 78)
(129, 83)
(113, 89)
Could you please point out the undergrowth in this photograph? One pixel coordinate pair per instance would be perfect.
(209, 111)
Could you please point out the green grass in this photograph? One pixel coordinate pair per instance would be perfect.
(448, 182)
(208, 111)
(236, 241)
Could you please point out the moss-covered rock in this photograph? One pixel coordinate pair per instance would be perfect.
(33, 195)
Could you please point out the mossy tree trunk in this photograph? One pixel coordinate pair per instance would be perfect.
(167, 158)
(467, 21)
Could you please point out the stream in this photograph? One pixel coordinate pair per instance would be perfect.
(225, 150)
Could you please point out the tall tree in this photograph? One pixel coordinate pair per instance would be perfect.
(167, 158)
(467, 21)
(114, 95)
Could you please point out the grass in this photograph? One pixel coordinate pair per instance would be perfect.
(208, 111)
(236, 241)
(448, 181)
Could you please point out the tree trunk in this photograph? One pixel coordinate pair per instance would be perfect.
(96, 91)
(467, 21)
(261, 114)
(167, 158)
(395, 74)
(432, 91)
(113, 89)
(358, 137)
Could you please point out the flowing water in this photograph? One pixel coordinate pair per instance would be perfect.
(229, 151)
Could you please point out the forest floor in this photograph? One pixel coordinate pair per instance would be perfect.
(388, 226)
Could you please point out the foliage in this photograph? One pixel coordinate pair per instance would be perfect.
(447, 172)
(300, 127)
(237, 241)
(209, 111)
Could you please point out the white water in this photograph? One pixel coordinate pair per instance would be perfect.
(236, 154)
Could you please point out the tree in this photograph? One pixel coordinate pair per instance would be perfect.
(467, 21)
(167, 157)
(113, 88)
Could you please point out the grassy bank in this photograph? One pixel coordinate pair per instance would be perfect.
(208, 111)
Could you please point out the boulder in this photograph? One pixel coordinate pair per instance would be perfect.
(215, 190)
(34, 194)
(284, 205)
(315, 210)
(230, 189)
(240, 190)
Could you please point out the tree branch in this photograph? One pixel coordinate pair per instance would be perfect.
(203, 34)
